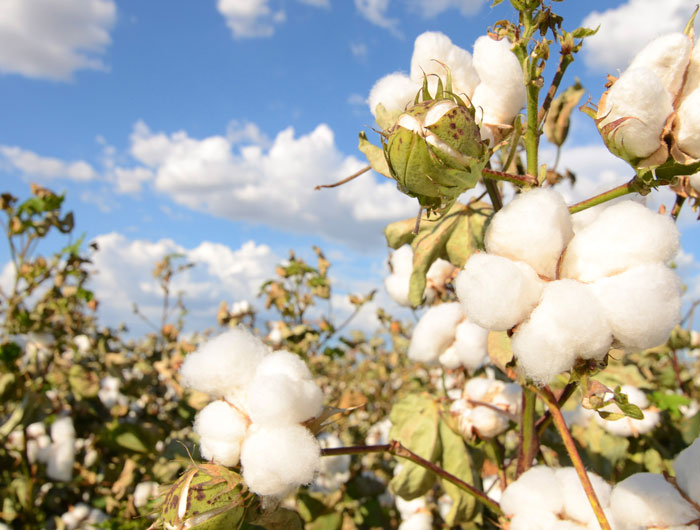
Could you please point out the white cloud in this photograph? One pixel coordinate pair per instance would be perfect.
(359, 49)
(130, 180)
(52, 39)
(375, 11)
(250, 18)
(39, 167)
(317, 3)
(273, 185)
(625, 29)
(123, 276)
(432, 8)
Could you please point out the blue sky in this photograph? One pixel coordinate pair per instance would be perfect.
(149, 114)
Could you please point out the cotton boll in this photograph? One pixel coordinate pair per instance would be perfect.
(394, 91)
(624, 235)
(61, 454)
(431, 47)
(638, 96)
(285, 363)
(224, 363)
(687, 470)
(221, 429)
(688, 125)
(567, 324)
(537, 487)
(642, 304)
(145, 491)
(277, 460)
(471, 345)
(435, 332)
(497, 293)
(576, 504)
(532, 518)
(62, 430)
(647, 499)
(417, 521)
(535, 228)
(449, 358)
(408, 508)
(276, 399)
(438, 275)
(668, 57)
(397, 283)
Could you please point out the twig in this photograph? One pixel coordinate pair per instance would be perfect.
(346, 179)
(632, 186)
(546, 418)
(519, 180)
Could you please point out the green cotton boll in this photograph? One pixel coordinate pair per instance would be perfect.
(206, 497)
(435, 152)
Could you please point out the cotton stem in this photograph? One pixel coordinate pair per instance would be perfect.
(529, 442)
(633, 186)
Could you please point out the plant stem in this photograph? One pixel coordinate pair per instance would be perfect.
(677, 207)
(564, 62)
(345, 180)
(518, 180)
(551, 402)
(494, 194)
(529, 442)
(397, 449)
(546, 419)
(633, 186)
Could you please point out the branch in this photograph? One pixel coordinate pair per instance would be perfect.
(345, 180)
(518, 180)
(633, 186)
(529, 443)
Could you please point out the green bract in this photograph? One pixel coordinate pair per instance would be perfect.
(206, 497)
(435, 152)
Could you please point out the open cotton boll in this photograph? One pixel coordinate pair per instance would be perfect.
(533, 518)
(449, 358)
(435, 332)
(668, 57)
(568, 323)
(688, 124)
(282, 362)
(418, 521)
(62, 430)
(536, 487)
(687, 468)
(223, 363)
(624, 235)
(221, 429)
(640, 96)
(471, 345)
(408, 508)
(497, 293)
(277, 460)
(535, 228)
(277, 399)
(438, 275)
(576, 504)
(642, 304)
(433, 46)
(394, 91)
(647, 499)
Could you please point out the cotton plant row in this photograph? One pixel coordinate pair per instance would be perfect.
(545, 498)
(261, 399)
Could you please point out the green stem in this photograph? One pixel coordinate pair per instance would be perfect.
(494, 194)
(553, 406)
(395, 448)
(529, 442)
(633, 186)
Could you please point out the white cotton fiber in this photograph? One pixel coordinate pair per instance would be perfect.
(277, 460)
(394, 91)
(417, 521)
(448, 359)
(497, 293)
(687, 468)
(223, 363)
(568, 323)
(408, 508)
(221, 429)
(640, 97)
(576, 504)
(435, 332)
(647, 499)
(62, 430)
(535, 228)
(277, 399)
(439, 273)
(533, 518)
(501, 92)
(537, 487)
(433, 46)
(688, 124)
(282, 362)
(624, 235)
(61, 453)
(668, 57)
(471, 345)
(397, 282)
(642, 304)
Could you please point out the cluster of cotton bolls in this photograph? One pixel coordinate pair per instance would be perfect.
(492, 79)
(397, 283)
(486, 407)
(445, 334)
(568, 290)
(261, 399)
(659, 92)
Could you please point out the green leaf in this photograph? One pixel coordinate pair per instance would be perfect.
(375, 156)
(580, 33)
(455, 459)
(670, 401)
(131, 437)
(9, 352)
(629, 409)
(690, 428)
(330, 521)
(309, 507)
(84, 384)
(414, 423)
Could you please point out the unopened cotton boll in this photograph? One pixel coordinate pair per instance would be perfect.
(624, 235)
(536, 487)
(277, 460)
(435, 332)
(687, 468)
(224, 363)
(576, 503)
(640, 98)
(471, 345)
(497, 293)
(394, 92)
(647, 500)
(568, 324)
(535, 228)
(642, 304)
(221, 429)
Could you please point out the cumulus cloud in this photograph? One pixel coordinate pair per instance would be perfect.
(250, 18)
(376, 12)
(272, 185)
(432, 8)
(123, 276)
(51, 40)
(39, 167)
(625, 29)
